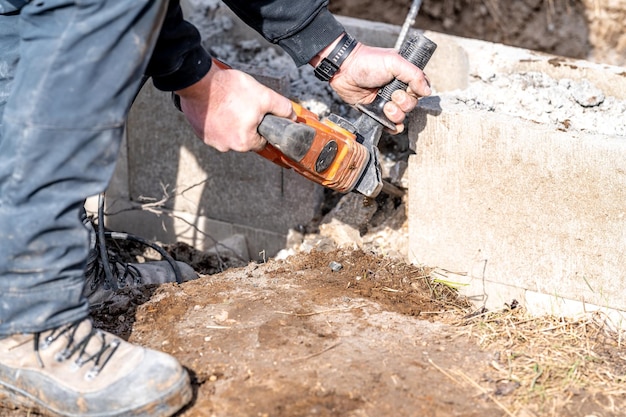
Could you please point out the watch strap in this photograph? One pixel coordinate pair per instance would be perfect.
(330, 65)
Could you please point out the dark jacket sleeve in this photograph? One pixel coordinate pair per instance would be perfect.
(301, 27)
(179, 59)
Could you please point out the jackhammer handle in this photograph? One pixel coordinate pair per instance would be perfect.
(291, 138)
(418, 50)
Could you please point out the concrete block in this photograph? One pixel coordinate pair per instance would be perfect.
(201, 232)
(515, 209)
(509, 203)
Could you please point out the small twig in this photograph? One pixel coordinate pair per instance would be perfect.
(316, 353)
(437, 367)
(421, 277)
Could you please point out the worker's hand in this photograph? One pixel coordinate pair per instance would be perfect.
(226, 107)
(367, 69)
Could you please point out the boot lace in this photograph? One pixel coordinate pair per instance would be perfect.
(78, 345)
(122, 273)
(105, 268)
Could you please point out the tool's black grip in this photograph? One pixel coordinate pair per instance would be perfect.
(418, 50)
(291, 138)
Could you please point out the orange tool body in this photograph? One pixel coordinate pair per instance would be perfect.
(333, 159)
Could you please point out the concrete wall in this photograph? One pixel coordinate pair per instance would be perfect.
(512, 209)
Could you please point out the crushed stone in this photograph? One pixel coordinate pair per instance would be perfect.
(566, 104)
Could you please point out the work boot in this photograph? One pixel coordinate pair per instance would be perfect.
(101, 288)
(77, 370)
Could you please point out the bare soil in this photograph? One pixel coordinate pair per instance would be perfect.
(295, 338)
(337, 333)
(586, 29)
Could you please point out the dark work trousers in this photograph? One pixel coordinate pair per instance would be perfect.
(69, 71)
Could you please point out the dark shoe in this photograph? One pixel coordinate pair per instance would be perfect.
(102, 287)
(99, 290)
(76, 370)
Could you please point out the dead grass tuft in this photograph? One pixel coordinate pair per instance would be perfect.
(543, 364)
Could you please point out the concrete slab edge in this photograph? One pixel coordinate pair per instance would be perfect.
(496, 296)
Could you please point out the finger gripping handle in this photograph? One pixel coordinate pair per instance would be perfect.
(386, 92)
(418, 50)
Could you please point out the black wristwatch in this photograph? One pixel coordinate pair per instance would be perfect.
(330, 65)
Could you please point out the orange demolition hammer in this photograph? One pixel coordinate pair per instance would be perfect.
(334, 152)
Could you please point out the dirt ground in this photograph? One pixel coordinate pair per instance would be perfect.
(346, 333)
(587, 29)
(356, 334)
(295, 338)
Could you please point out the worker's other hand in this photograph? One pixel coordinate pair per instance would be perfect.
(367, 69)
(226, 107)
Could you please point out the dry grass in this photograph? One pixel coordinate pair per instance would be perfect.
(545, 365)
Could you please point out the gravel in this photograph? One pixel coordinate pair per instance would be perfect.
(563, 103)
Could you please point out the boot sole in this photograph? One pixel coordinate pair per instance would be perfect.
(167, 405)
